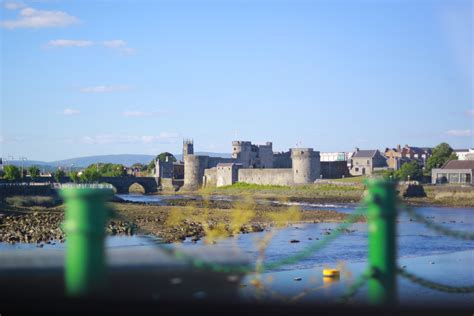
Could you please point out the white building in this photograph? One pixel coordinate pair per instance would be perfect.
(334, 156)
(465, 154)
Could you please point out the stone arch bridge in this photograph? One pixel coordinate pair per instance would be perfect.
(122, 184)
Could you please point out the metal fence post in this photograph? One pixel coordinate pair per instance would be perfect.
(381, 218)
(85, 219)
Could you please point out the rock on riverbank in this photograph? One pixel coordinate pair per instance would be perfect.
(43, 225)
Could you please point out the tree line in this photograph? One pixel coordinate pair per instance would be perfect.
(90, 174)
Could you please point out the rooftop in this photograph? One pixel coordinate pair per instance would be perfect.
(365, 153)
(459, 164)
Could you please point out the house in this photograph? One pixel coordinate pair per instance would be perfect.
(396, 157)
(454, 171)
(418, 153)
(365, 162)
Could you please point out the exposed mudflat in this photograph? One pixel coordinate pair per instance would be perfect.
(185, 218)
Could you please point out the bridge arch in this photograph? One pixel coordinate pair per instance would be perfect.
(123, 184)
(136, 188)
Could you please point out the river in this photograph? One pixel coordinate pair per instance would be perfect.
(428, 253)
(421, 250)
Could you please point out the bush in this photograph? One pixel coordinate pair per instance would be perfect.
(34, 172)
(12, 173)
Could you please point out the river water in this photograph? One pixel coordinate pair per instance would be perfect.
(414, 239)
(421, 250)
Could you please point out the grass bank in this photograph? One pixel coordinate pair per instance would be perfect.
(319, 193)
(446, 195)
(343, 191)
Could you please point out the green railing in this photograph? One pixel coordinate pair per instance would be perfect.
(86, 215)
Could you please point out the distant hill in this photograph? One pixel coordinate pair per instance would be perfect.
(81, 162)
(124, 159)
(205, 153)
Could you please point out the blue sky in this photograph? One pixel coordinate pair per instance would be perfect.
(107, 77)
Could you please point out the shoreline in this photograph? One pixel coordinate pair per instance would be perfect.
(170, 223)
(200, 214)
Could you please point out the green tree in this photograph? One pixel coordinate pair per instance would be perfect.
(389, 175)
(409, 171)
(106, 169)
(34, 172)
(139, 166)
(58, 175)
(74, 176)
(90, 175)
(162, 157)
(441, 154)
(11, 173)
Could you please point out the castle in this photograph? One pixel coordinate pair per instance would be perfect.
(249, 163)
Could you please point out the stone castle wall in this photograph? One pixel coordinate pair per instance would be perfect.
(210, 177)
(214, 161)
(334, 169)
(266, 176)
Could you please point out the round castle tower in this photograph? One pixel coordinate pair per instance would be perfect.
(194, 166)
(306, 165)
(188, 147)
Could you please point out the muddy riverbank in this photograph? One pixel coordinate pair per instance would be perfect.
(187, 218)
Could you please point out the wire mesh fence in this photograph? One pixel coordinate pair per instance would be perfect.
(379, 198)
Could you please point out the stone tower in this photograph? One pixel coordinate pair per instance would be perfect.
(306, 165)
(241, 152)
(188, 147)
(194, 166)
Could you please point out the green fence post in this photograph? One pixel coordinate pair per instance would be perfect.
(381, 218)
(85, 220)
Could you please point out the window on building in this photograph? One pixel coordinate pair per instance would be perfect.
(368, 162)
(465, 178)
(453, 178)
(356, 169)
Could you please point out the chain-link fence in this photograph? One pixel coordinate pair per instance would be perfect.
(380, 208)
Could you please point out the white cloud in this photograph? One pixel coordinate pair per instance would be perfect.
(33, 18)
(119, 45)
(104, 89)
(122, 139)
(69, 43)
(460, 132)
(11, 5)
(69, 112)
(141, 114)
